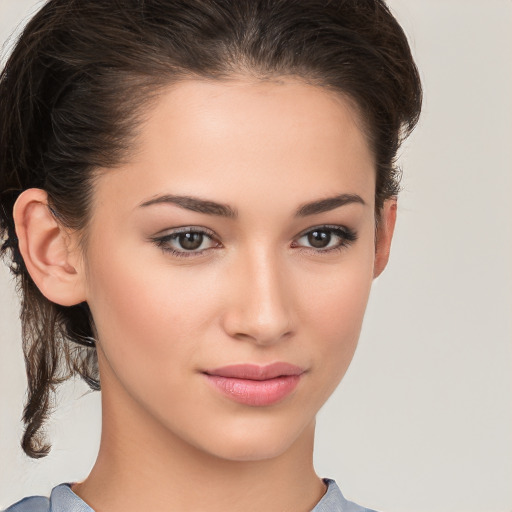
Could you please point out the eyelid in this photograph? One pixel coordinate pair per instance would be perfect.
(184, 229)
(326, 227)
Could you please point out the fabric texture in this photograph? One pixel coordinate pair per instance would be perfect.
(63, 499)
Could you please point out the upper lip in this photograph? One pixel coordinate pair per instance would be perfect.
(256, 372)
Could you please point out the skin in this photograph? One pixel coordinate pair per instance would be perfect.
(259, 293)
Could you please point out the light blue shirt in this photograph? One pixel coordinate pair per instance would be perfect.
(63, 499)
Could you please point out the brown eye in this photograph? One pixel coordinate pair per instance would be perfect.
(190, 241)
(187, 242)
(324, 239)
(319, 239)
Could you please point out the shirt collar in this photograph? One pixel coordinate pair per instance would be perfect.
(63, 499)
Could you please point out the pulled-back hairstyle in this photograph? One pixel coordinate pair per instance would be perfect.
(79, 80)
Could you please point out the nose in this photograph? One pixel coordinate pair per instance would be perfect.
(260, 302)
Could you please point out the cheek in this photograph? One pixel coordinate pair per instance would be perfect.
(335, 311)
(338, 313)
(141, 312)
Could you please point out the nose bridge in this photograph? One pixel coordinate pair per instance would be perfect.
(261, 309)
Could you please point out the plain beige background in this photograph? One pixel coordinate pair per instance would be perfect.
(423, 419)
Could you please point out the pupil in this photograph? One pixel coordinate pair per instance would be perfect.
(319, 239)
(191, 240)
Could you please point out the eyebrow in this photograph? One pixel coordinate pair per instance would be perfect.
(207, 207)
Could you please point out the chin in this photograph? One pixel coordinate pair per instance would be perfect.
(247, 451)
(258, 442)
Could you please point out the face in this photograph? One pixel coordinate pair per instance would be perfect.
(228, 325)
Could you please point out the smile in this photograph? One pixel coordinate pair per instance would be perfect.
(255, 385)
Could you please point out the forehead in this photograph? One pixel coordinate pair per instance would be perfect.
(286, 111)
(228, 138)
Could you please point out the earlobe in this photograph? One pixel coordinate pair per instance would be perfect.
(384, 235)
(46, 249)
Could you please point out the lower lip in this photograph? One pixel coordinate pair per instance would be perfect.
(255, 392)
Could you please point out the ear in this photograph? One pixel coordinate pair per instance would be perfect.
(46, 248)
(384, 235)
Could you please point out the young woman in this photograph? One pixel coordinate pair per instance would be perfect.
(195, 199)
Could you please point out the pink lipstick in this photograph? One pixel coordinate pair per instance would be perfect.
(255, 385)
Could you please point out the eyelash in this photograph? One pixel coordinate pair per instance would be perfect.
(346, 235)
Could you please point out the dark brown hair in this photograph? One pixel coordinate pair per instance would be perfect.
(81, 75)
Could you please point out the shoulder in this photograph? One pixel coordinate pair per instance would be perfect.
(62, 499)
(334, 501)
(30, 504)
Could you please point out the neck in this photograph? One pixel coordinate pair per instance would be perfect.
(146, 467)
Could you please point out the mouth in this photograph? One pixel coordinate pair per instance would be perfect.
(255, 385)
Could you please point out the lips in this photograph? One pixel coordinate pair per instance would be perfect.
(255, 385)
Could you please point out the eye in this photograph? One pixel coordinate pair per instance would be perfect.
(326, 238)
(186, 242)
(190, 242)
